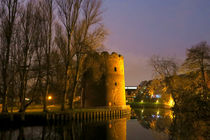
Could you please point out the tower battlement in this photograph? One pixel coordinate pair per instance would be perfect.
(112, 55)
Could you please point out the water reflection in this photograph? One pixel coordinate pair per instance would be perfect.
(148, 124)
(155, 119)
(186, 125)
(189, 125)
(100, 130)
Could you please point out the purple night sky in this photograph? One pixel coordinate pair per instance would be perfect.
(139, 29)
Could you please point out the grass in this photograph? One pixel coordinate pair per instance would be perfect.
(57, 108)
(35, 108)
(147, 105)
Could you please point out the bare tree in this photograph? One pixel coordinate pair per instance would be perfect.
(13, 80)
(68, 13)
(165, 69)
(26, 47)
(37, 67)
(84, 33)
(39, 61)
(88, 36)
(7, 22)
(27, 23)
(47, 13)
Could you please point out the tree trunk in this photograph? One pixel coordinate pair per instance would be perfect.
(5, 79)
(4, 104)
(22, 98)
(75, 82)
(204, 84)
(66, 89)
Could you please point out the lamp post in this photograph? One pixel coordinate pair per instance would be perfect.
(49, 97)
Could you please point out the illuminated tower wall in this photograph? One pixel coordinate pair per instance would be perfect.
(115, 81)
(105, 82)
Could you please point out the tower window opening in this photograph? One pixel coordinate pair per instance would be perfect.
(115, 83)
(115, 69)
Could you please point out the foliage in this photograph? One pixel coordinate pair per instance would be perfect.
(198, 57)
(189, 90)
(142, 92)
(198, 61)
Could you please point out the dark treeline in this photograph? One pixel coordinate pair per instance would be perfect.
(43, 45)
(188, 84)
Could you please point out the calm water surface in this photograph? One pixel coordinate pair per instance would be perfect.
(144, 124)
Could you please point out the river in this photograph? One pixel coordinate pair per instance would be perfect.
(143, 124)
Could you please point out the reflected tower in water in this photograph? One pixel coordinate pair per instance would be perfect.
(96, 130)
(106, 130)
(117, 129)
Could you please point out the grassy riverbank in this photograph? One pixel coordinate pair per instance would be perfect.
(34, 114)
(57, 108)
(147, 105)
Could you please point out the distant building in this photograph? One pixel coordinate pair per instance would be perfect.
(130, 93)
(130, 89)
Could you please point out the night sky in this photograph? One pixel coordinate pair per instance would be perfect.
(139, 29)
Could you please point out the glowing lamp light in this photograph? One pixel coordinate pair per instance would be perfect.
(142, 101)
(49, 97)
(158, 96)
(171, 115)
(157, 101)
(110, 103)
(110, 125)
(171, 102)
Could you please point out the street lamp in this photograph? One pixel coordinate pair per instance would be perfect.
(49, 97)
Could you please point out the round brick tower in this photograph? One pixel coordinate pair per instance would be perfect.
(105, 82)
(115, 81)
